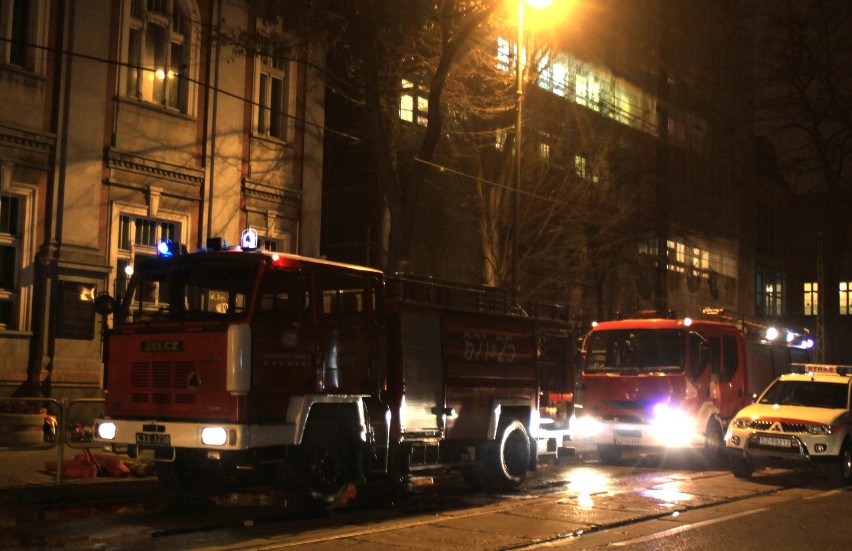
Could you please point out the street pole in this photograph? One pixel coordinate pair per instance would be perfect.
(516, 206)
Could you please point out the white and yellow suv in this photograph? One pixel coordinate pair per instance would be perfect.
(801, 419)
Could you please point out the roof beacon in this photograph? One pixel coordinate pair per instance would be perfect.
(248, 239)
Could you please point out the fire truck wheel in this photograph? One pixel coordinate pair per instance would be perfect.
(609, 454)
(740, 466)
(325, 470)
(714, 442)
(842, 468)
(505, 460)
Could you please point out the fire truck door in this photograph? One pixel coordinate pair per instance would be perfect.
(283, 339)
(344, 333)
(731, 379)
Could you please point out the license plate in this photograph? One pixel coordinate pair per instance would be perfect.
(152, 439)
(774, 442)
(628, 438)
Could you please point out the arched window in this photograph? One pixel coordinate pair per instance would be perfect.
(159, 48)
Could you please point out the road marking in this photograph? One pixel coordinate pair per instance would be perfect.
(686, 527)
(825, 494)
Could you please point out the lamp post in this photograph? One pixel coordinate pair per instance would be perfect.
(516, 206)
(519, 104)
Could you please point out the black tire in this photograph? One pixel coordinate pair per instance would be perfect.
(505, 461)
(841, 469)
(319, 476)
(320, 470)
(714, 443)
(740, 466)
(609, 454)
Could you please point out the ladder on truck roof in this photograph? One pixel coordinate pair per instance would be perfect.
(469, 297)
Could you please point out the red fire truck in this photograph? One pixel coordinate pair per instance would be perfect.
(232, 367)
(674, 383)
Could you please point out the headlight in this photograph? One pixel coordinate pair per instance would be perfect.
(106, 430)
(673, 425)
(586, 426)
(741, 422)
(820, 429)
(668, 416)
(214, 436)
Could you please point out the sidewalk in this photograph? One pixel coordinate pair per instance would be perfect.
(23, 474)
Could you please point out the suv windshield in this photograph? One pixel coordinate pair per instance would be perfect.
(807, 393)
(192, 287)
(635, 350)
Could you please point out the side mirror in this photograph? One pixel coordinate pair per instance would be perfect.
(104, 304)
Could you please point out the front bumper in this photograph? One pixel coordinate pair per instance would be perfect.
(164, 436)
(638, 435)
(782, 449)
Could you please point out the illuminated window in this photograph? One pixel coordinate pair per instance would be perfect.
(582, 169)
(682, 256)
(504, 54)
(811, 303)
(560, 79)
(159, 41)
(413, 104)
(138, 237)
(500, 138)
(272, 98)
(587, 91)
(544, 146)
(770, 293)
(845, 298)
(676, 255)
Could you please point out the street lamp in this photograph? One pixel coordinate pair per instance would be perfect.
(516, 207)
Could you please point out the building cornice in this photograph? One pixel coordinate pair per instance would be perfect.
(118, 161)
(269, 193)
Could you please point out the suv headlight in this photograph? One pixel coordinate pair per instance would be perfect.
(820, 429)
(742, 422)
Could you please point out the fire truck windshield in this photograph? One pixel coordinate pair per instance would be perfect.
(635, 351)
(183, 289)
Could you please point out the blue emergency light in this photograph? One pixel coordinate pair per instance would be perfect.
(248, 239)
(167, 248)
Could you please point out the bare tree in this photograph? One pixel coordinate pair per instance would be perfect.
(578, 218)
(806, 109)
(373, 46)
(574, 215)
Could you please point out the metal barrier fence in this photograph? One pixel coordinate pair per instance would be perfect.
(33, 424)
